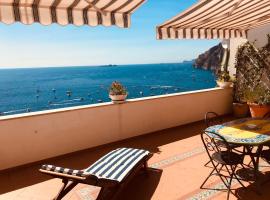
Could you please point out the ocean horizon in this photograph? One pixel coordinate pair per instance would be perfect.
(102, 65)
(35, 89)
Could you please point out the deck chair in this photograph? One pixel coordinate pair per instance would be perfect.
(110, 172)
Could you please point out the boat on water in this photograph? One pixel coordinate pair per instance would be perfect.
(109, 65)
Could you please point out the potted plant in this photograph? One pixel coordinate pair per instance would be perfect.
(117, 92)
(258, 99)
(240, 107)
(224, 79)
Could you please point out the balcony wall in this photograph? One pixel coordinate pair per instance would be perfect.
(258, 36)
(36, 136)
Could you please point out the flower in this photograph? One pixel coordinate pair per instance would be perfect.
(117, 88)
(224, 76)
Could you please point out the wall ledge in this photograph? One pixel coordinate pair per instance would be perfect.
(98, 105)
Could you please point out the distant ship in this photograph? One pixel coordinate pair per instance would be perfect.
(187, 61)
(110, 65)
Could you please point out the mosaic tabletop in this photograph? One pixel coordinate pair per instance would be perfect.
(250, 131)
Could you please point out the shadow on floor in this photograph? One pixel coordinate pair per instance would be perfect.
(141, 186)
(28, 175)
(251, 193)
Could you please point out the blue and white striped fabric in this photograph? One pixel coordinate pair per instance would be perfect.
(117, 164)
(63, 170)
(113, 166)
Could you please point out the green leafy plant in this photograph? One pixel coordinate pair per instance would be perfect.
(257, 95)
(117, 88)
(253, 69)
(224, 76)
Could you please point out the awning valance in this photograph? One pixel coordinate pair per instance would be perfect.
(63, 12)
(212, 19)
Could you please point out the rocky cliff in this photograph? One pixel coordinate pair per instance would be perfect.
(210, 60)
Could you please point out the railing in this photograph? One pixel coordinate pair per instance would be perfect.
(35, 136)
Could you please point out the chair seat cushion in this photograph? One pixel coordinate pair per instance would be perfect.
(228, 158)
(117, 164)
(63, 170)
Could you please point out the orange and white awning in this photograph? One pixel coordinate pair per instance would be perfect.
(213, 19)
(63, 12)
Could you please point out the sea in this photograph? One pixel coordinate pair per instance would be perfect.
(37, 89)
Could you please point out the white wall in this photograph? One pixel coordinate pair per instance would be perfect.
(259, 35)
(32, 137)
(233, 45)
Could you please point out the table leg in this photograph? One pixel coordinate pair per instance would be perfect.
(255, 158)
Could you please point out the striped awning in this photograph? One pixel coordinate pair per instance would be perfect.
(213, 19)
(63, 12)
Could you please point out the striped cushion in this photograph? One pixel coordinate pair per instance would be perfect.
(68, 171)
(113, 166)
(116, 164)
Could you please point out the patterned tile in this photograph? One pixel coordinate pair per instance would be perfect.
(179, 157)
(86, 193)
(207, 194)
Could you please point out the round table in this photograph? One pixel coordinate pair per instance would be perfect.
(248, 132)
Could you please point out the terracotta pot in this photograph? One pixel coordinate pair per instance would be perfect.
(240, 110)
(224, 84)
(118, 98)
(258, 110)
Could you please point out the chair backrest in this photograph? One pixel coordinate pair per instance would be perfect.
(212, 118)
(267, 115)
(214, 143)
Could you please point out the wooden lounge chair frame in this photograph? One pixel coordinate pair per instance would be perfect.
(109, 188)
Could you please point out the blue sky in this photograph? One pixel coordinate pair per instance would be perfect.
(45, 46)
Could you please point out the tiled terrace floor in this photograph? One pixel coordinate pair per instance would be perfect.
(178, 160)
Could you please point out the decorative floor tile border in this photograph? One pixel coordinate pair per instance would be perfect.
(85, 194)
(207, 194)
(179, 157)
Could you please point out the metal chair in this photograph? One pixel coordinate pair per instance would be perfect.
(222, 158)
(211, 119)
(266, 153)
